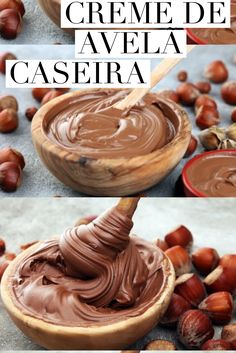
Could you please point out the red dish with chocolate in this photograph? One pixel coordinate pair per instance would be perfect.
(211, 174)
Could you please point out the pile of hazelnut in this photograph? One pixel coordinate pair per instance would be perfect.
(197, 95)
(197, 302)
(11, 18)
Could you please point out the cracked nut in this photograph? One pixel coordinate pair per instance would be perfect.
(212, 137)
(231, 132)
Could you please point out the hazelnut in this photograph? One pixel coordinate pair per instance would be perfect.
(13, 4)
(205, 260)
(221, 279)
(8, 154)
(3, 267)
(216, 72)
(8, 120)
(194, 329)
(182, 76)
(204, 100)
(191, 288)
(228, 92)
(212, 137)
(228, 261)
(50, 96)
(231, 132)
(233, 115)
(229, 334)
(9, 256)
(227, 144)
(219, 307)
(30, 113)
(178, 305)
(8, 102)
(169, 94)
(203, 86)
(2, 247)
(27, 245)
(179, 236)
(10, 23)
(39, 93)
(162, 244)
(180, 259)
(216, 345)
(160, 345)
(10, 176)
(191, 147)
(3, 58)
(85, 220)
(187, 93)
(207, 117)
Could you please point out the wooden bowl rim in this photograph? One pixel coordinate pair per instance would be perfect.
(6, 293)
(55, 149)
(187, 183)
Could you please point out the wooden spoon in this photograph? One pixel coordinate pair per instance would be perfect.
(157, 75)
(128, 205)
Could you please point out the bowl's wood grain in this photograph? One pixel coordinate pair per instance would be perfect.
(113, 336)
(108, 177)
(52, 8)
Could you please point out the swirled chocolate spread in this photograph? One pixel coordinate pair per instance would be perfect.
(91, 126)
(95, 274)
(214, 175)
(219, 35)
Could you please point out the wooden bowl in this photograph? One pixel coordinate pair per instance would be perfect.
(109, 177)
(112, 336)
(52, 8)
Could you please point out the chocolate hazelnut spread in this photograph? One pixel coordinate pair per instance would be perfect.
(96, 274)
(214, 174)
(219, 35)
(90, 126)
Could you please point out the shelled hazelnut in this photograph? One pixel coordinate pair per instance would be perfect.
(191, 288)
(216, 345)
(10, 176)
(188, 93)
(229, 334)
(181, 235)
(191, 147)
(203, 87)
(205, 260)
(182, 76)
(216, 72)
(8, 120)
(231, 132)
(160, 345)
(9, 154)
(162, 244)
(180, 259)
(207, 117)
(2, 247)
(3, 58)
(10, 23)
(30, 113)
(194, 329)
(227, 144)
(178, 305)
(228, 92)
(219, 307)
